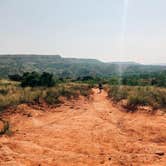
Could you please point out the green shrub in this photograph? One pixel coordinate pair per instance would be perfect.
(139, 96)
(35, 79)
(135, 100)
(118, 93)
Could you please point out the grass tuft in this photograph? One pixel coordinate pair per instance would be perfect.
(154, 97)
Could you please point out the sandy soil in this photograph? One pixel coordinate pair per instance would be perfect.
(84, 133)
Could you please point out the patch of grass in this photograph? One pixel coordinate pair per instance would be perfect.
(139, 96)
(118, 93)
(69, 91)
(14, 94)
(52, 97)
(3, 91)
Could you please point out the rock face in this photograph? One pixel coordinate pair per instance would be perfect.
(83, 133)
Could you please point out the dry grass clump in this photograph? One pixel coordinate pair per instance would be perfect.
(139, 96)
(13, 94)
(82, 89)
(118, 93)
(6, 128)
(69, 91)
(17, 96)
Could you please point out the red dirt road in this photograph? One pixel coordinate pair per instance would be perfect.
(84, 133)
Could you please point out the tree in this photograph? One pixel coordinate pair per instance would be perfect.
(46, 79)
(15, 77)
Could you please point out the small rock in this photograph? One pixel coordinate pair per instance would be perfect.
(160, 153)
(109, 158)
(139, 139)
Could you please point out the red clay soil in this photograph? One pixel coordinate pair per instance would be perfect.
(84, 133)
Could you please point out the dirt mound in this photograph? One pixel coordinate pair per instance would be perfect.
(84, 133)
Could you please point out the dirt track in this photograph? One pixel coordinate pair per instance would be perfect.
(84, 133)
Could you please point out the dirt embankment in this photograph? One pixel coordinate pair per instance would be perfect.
(84, 133)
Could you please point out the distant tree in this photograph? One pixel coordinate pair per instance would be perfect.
(46, 79)
(15, 77)
(154, 81)
(30, 79)
(35, 79)
(86, 78)
(114, 81)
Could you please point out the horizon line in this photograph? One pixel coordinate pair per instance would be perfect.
(104, 61)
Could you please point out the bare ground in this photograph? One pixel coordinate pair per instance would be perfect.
(84, 133)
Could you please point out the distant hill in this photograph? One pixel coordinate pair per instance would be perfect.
(70, 67)
(125, 63)
(161, 64)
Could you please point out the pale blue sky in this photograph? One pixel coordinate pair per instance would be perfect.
(85, 29)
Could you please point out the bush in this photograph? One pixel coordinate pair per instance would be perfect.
(15, 77)
(34, 79)
(13, 95)
(46, 79)
(52, 97)
(118, 93)
(30, 79)
(3, 91)
(139, 96)
(17, 96)
(135, 100)
(69, 93)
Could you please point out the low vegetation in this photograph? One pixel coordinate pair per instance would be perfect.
(33, 87)
(34, 79)
(154, 97)
(6, 128)
(12, 93)
(151, 79)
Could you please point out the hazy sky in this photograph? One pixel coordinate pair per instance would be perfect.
(109, 30)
